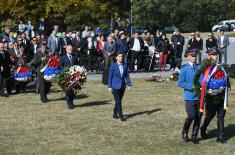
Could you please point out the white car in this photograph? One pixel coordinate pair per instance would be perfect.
(224, 25)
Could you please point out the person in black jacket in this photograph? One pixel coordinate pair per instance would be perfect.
(1, 70)
(137, 46)
(211, 42)
(5, 68)
(199, 46)
(32, 50)
(65, 41)
(163, 48)
(68, 60)
(78, 45)
(44, 85)
(178, 43)
(90, 45)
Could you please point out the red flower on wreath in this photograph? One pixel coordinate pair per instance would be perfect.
(219, 74)
(22, 69)
(53, 61)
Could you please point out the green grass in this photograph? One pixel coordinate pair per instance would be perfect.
(155, 113)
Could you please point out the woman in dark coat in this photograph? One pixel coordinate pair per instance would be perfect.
(163, 48)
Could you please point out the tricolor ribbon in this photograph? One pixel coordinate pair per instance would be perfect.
(206, 78)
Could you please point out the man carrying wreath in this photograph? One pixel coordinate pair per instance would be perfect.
(69, 60)
(212, 82)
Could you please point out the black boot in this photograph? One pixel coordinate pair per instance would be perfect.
(194, 135)
(204, 127)
(187, 124)
(220, 137)
(115, 116)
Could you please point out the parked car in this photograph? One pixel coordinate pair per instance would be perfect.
(226, 25)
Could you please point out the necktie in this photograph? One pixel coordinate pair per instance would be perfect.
(70, 58)
(194, 68)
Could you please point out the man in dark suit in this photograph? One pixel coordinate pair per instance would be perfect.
(10, 39)
(118, 76)
(65, 41)
(78, 48)
(68, 60)
(44, 86)
(32, 50)
(178, 43)
(14, 53)
(1, 70)
(137, 46)
(5, 70)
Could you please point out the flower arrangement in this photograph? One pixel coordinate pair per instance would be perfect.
(50, 69)
(174, 76)
(155, 77)
(22, 74)
(71, 79)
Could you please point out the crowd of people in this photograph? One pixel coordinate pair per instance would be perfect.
(95, 50)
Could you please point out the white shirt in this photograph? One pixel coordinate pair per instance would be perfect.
(84, 34)
(192, 64)
(16, 52)
(120, 65)
(136, 46)
(222, 39)
(35, 48)
(89, 43)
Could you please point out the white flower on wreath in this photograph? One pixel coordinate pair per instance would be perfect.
(74, 69)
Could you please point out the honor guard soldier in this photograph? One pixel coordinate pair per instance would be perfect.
(186, 81)
(214, 83)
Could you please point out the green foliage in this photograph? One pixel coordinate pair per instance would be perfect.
(189, 15)
(73, 14)
(204, 65)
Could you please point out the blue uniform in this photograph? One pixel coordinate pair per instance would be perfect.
(186, 80)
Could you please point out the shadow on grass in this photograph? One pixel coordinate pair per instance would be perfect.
(80, 96)
(148, 112)
(229, 132)
(95, 103)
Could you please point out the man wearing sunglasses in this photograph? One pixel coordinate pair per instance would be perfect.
(186, 81)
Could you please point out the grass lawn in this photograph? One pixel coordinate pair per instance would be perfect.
(155, 116)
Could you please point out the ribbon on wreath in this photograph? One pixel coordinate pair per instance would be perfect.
(206, 78)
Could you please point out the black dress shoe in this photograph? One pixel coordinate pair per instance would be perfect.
(44, 101)
(115, 117)
(185, 136)
(122, 119)
(194, 140)
(203, 134)
(220, 139)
